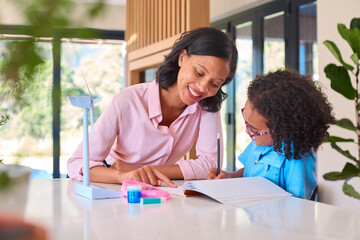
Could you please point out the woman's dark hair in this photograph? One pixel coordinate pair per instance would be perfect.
(201, 41)
(297, 111)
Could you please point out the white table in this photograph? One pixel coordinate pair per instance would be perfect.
(66, 216)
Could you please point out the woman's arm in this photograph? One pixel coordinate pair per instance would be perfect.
(120, 171)
(206, 148)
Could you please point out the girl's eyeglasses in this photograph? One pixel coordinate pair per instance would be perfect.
(248, 129)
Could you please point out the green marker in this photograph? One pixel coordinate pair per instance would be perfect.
(152, 200)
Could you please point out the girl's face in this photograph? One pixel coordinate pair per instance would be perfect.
(200, 76)
(257, 124)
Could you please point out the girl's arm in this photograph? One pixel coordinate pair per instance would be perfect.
(212, 174)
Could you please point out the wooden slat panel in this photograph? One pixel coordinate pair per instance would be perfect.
(136, 26)
(198, 14)
(183, 15)
(169, 19)
(160, 29)
(153, 48)
(156, 20)
(146, 21)
(178, 15)
(148, 61)
(164, 19)
(140, 30)
(173, 17)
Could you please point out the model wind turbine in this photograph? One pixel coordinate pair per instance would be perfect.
(85, 189)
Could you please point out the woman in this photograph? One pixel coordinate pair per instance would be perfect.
(148, 127)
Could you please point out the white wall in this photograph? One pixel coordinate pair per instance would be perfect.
(330, 13)
(220, 9)
(114, 17)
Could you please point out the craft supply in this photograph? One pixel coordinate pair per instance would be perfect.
(147, 190)
(152, 200)
(134, 193)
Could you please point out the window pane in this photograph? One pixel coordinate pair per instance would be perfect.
(244, 74)
(27, 138)
(308, 48)
(223, 126)
(274, 44)
(150, 74)
(102, 65)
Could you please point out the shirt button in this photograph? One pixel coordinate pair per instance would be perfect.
(255, 162)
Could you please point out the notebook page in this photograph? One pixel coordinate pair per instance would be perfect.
(237, 189)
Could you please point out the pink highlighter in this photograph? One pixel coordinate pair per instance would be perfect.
(147, 190)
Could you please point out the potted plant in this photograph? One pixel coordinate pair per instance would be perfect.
(14, 180)
(339, 76)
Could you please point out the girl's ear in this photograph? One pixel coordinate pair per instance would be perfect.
(182, 55)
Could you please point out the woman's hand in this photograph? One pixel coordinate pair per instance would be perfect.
(123, 166)
(144, 174)
(212, 174)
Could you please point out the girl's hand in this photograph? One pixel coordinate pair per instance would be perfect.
(212, 174)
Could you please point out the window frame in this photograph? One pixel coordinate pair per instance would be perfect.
(56, 35)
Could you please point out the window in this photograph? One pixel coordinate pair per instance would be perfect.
(33, 136)
(275, 35)
(101, 64)
(308, 57)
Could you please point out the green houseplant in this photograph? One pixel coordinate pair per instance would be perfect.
(339, 76)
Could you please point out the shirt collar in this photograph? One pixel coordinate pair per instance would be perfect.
(154, 105)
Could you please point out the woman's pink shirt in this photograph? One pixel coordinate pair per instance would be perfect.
(129, 130)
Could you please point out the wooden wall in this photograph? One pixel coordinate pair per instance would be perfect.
(152, 26)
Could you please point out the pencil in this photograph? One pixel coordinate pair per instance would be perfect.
(218, 153)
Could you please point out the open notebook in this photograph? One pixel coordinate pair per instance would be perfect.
(231, 190)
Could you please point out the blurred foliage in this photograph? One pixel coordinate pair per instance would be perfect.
(22, 59)
(341, 83)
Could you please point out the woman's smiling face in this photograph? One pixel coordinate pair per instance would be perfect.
(200, 76)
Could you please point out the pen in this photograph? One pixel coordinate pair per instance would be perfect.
(218, 154)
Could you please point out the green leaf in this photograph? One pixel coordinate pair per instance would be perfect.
(338, 139)
(350, 191)
(345, 153)
(5, 181)
(352, 36)
(355, 23)
(4, 118)
(97, 9)
(345, 123)
(350, 170)
(355, 59)
(335, 51)
(340, 80)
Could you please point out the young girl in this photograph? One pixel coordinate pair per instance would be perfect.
(149, 127)
(287, 118)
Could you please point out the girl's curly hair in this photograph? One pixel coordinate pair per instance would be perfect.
(297, 111)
